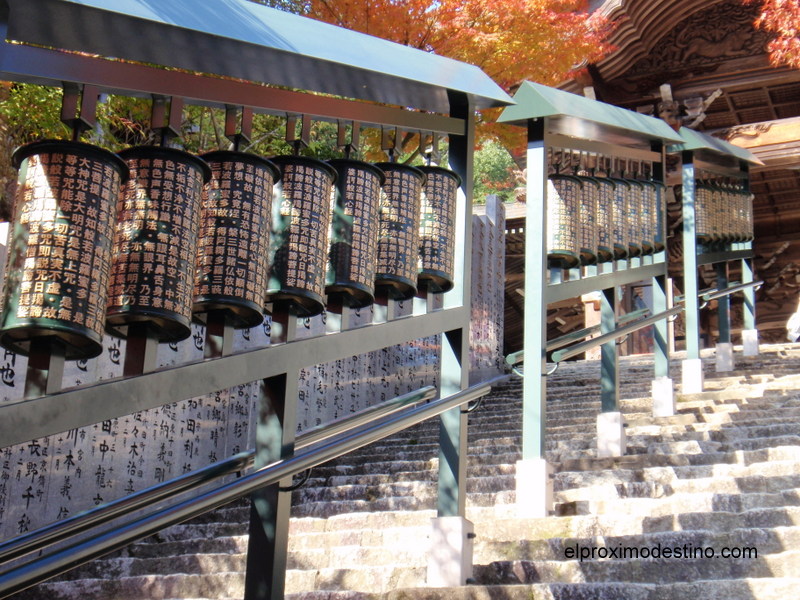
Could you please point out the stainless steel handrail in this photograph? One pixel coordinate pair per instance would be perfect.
(83, 521)
(715, 295)
(560, 355)
(57, 561)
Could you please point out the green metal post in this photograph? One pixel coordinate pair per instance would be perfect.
(723, 305)
(749, 294)
(690, 288)
(609, 362)
(660, 329)
(455, 343)
(269, 514)
(453, 430)
(535, 326)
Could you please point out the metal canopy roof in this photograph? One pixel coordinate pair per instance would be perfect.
(697, 141)
(244, 40)
(582, 117)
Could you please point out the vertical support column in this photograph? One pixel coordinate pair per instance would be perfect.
(270, 507)
(663, 395)
(610, 429)
(534, 476)
(724, 353)
(692, 367)
(749, 331)
(450, 554)
(45, 372)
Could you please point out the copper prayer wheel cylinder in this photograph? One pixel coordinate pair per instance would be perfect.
(438, 229)
(633, 223)
(704, 213)
(354, 233)
(621, 232)
(398, 239)
(155, 248)
(587, 232)
(301, 218)
(232, 269)
(606, 190)
(59, 257)
(563, 208)
(648, 216)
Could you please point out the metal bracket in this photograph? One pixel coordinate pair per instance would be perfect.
(298, 143)
(296, 486)
(355, 137)
(238, 125)
(388, 142)
(473, 407)
(79, 107)
(168, 127)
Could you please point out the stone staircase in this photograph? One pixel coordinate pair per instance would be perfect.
(724, 473)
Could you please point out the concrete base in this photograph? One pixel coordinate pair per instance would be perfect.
(750, 342)
(610, 434)
(534, 488)
(724, 358)
(692, 376)
(450, 553)
(663, 397)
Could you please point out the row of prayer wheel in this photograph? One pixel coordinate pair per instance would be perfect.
(153, 237)
(599, 219)
(723, 213)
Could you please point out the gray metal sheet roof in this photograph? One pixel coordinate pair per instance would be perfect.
(698, 141)
(534, 100)
(244, 40)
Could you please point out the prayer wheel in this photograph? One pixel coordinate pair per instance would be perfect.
(59, 259)
(587, 220)
(620, 233)
(438, 229)
(634, 201)
(155, 247)
(354, 233)
(232, 254)
(605, 218)
(703, 211)
(301, 218)
(648, 216)
(563, 214)
(398, 239)
(659, 243)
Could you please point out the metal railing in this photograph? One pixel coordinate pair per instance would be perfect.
(732, 289)
(356, 433)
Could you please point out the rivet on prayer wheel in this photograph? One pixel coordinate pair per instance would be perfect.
(300, 234)
(232, 268)
(438, 229)
(563, 206)
(60, 248)
(354, 233)
(398, 240)
(155, 247)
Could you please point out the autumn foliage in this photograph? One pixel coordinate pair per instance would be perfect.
(782, 18)
(511, 40)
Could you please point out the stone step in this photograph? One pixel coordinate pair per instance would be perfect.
(637, 570)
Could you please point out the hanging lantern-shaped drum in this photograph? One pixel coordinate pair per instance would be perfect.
(155, 247)
(398, 240)
(438, 229)
(232, 253)
(658, 216)
(59, 257)
(563, 208)
(354, 233)
(301, 218)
